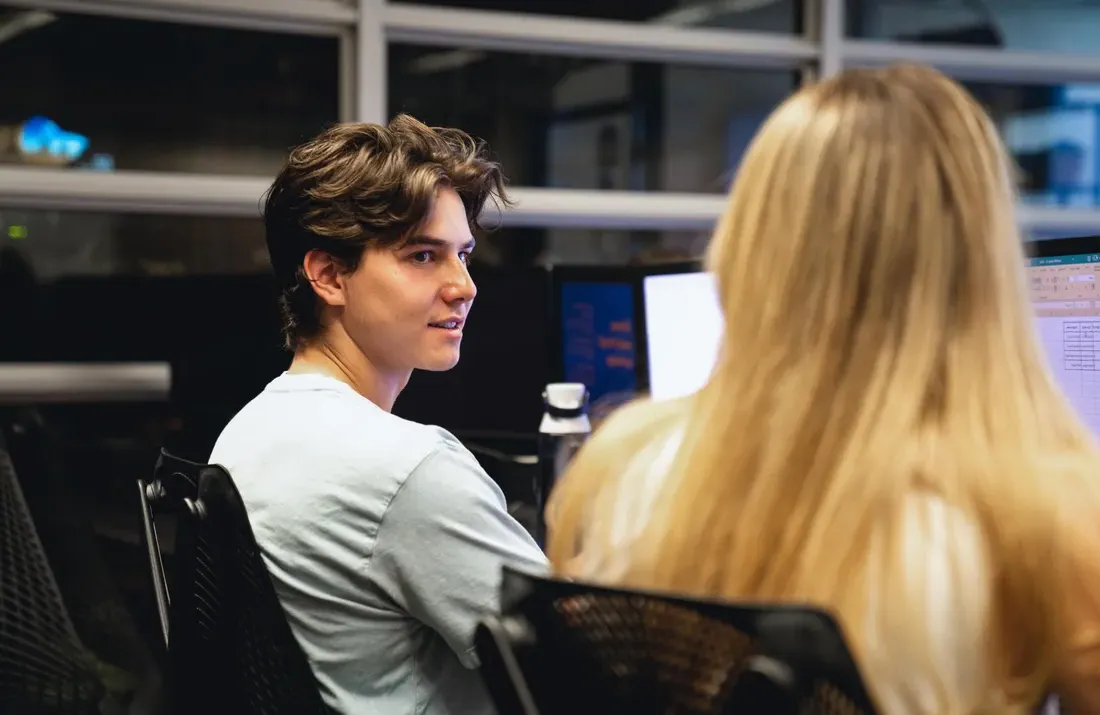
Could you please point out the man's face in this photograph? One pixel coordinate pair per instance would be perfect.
(406, 305)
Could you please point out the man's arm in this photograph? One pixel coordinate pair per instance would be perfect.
(442, 542)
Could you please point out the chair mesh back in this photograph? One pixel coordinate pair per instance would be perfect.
(63, 514)
(43, 668)
(228, 630)
(647, 653)
(694, 660)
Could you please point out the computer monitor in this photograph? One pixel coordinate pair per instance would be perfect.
(595, 329)
(657, 329)
(683, 329)
(1062, 278)
(632, 330)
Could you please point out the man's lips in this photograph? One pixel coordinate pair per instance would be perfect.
(452, 323)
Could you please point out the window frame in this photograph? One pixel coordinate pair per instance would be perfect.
(367, 26)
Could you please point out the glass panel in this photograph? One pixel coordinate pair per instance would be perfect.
(517, 247)
(1052, 132)
(1033, 25)
(591, 124)
(754, 15)
(99, 286)
(47, 245)
(43, 247)
(104, 92)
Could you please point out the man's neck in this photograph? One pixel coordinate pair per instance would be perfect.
(344, 362)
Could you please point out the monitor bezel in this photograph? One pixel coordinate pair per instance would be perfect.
(1069, 246)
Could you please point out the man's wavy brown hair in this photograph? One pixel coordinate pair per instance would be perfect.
(365, 184)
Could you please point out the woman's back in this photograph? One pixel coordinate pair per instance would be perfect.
(943, 562)
(881, 434)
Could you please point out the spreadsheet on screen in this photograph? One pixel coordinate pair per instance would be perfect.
(1067, 307)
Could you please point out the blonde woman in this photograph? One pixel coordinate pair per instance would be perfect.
(881, 435)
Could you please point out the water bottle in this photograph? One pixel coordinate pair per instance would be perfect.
(563, 430)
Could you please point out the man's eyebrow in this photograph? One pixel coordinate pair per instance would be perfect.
(425, 240)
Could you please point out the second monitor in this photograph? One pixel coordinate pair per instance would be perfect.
(628, 331)
(683, 328)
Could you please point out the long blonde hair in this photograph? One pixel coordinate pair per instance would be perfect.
(878, 345)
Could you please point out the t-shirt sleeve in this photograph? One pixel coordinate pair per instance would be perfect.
(442, 543)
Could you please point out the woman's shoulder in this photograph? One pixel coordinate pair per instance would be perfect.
(641, 419)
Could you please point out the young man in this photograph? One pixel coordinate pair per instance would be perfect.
(385, 538)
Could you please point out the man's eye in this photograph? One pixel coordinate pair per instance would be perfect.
(464, 256)
(421, 256)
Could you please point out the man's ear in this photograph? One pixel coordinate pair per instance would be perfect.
(325, 276)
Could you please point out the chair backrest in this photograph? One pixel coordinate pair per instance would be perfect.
(64, 512)
(43, 666)
(584, 649)
(230, 648)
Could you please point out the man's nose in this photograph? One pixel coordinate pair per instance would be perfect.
(461, 288)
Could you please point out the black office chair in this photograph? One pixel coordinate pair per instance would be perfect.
(64, 515)
(565, 648)
(230, 648)
(44, 669)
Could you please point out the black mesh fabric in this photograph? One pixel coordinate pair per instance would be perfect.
(63, 514)
(642, 653)
(230, 647)
(43, 667)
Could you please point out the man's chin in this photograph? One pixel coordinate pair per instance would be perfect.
(439, 363)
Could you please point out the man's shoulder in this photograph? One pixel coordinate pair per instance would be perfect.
(338, 434)
(448, 465)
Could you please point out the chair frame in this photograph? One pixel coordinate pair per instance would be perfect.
(507, 646)
(177, 488)
(500, 669)
(209, 601)
(148, 493)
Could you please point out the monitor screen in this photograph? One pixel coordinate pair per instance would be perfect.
(1064, 295)
(683, 329)
(597, 334)
(682, 324)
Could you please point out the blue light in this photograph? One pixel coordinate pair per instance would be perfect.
(102, 162)
(40, 135)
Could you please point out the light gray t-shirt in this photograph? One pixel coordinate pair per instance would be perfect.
(385, 539)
